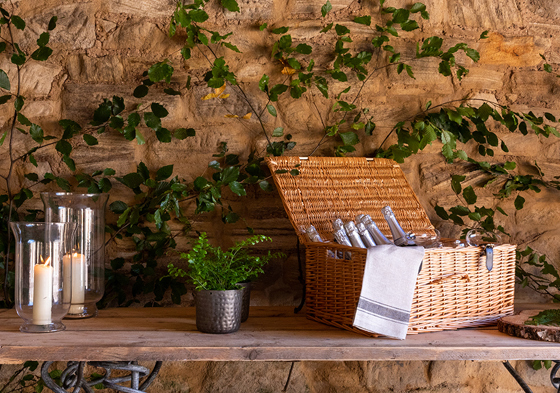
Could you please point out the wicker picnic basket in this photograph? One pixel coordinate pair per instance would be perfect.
(454, 288)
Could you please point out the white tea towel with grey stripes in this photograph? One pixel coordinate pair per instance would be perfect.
(387, 289)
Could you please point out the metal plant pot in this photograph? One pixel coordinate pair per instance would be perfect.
(246, 300)
(218, 311)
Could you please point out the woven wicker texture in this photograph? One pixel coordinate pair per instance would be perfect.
(453, 290)
(335, 187)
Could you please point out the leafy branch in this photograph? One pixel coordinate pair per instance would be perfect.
(211, 268)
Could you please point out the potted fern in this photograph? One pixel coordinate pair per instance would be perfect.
(216, 275)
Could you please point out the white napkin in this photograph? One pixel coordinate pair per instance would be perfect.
(387, 289)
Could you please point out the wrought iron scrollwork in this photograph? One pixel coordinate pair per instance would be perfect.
(553, 378)
(73, 377)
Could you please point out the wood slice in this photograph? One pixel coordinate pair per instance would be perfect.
(514, 325)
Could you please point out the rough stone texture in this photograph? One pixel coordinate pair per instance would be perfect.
(75, 26)
(146, 8)
(512, 51)
(97, 70)
(37, 79)
(102, 47)
(140, 36)
(43, 109)
(484, 14)
(355, 377)
(545, 8)
(314, 6)
(252, 10)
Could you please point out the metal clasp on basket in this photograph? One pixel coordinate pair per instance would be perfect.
(489, 252)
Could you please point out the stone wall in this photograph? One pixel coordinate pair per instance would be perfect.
(102, 47)
(331, 377)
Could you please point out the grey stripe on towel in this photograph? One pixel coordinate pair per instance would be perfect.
(387, 289)
(383, 310)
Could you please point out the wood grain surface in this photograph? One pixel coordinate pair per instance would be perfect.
(270, 334)
(514, 325)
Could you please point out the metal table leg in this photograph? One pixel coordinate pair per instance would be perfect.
(553, 378)
(517, 377)
(73, 377)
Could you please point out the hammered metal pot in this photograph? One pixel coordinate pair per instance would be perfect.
(246, 300)
(218, 312)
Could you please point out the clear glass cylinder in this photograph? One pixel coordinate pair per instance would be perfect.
(42, 252)
(88, 251)
(481, 237)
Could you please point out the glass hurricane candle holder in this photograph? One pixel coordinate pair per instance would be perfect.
(86, 268)
(40, 288)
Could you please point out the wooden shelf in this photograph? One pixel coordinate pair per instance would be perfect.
(270, 334)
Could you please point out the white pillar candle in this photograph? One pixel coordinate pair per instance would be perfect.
(42, 293)
(75, 273)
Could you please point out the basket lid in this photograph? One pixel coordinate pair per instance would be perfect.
(327, 188)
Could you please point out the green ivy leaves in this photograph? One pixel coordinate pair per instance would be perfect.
(455, 125)
(469, 195)
(456, 183)
(108, 114)
(546, 317)
(432, 47)
(219, 74)
(157, 198)
(230, 5)
(349, 138)
(164, 173)
(363, 20)
(18, 22)
(326, 8)
(548, 282)
(52, 23)
(161, 71)
(41, 54)
(141, 91)
(159, 110)
(4, 81)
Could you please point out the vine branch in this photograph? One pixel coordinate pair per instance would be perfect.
(269, 142)
(434, 107)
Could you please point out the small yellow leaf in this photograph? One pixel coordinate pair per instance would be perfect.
(224, 96)
(209, 96)
(288, 71)
(220, 90)
(247, 116)
(231, 116)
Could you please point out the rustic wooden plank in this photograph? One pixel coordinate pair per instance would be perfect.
(271, 333)
(174, 319)
(167, 324)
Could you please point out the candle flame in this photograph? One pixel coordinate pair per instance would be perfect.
(75, 255)
(47, 262)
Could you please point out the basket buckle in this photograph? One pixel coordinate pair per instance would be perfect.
(489, 252)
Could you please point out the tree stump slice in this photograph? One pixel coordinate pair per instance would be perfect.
(514, 325)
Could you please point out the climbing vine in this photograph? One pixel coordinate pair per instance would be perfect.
(161, 197)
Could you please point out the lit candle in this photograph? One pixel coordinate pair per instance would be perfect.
(42, 293)
(75, 273)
